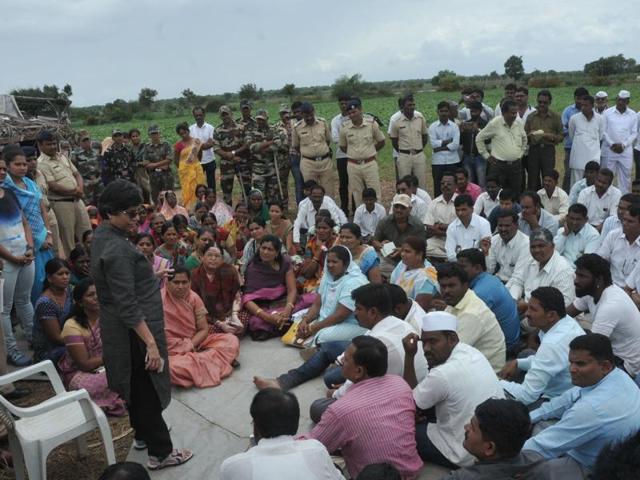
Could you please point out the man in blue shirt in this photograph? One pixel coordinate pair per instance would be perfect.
(492, 292)
(547, 371)
(567, 113)
(603, 407)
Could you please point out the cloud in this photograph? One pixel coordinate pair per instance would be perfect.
(110, 49)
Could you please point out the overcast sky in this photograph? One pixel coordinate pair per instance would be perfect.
(108, 49)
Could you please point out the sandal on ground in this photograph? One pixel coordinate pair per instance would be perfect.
(175, 458)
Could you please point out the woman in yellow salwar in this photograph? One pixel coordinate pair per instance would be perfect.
(187, 157)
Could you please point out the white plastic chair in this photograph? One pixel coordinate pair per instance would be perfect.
(35, 431)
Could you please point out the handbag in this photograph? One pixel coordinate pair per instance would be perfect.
(290, 337)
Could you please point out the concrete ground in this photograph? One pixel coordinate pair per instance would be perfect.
(215, 422)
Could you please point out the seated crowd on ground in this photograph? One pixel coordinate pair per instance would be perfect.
(492, 328)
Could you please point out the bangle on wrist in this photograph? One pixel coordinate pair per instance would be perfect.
(257, 314)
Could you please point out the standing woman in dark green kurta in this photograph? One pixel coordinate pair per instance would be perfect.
(132, 324)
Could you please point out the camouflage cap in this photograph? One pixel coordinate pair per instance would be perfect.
(284, 108)
(153, 129)
(224, 109)
(115, 132)
(85, 137)
(262, 114)
(245, 104)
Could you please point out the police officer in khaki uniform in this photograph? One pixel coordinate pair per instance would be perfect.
(361, 138)
(66, 190)
(409, 136)
(311, 137)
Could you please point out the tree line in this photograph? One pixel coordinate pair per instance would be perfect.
(120, 110)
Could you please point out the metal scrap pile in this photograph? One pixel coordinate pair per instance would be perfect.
(18, 126)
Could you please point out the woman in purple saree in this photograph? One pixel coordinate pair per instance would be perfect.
(270, 295)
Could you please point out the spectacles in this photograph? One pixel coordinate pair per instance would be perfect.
(130, 213)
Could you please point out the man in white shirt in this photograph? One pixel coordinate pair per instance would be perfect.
(533, 216)
(509, 94)
(308, 208)
(576, 237)
(444, 136)
(418, 206)
(373, 311)
(488, 200)
(440, 213)
(414, 184)
(613, 313)
(468, 230)
(393, 118)
(547, 268)
(621, 131)
(203, 131)
(277, 454)
(554, 199)
(636, 153)
(369, 214)
(477, 324)
(521, 97)
(601, 101)
(586, 130)
(613, 222)
(601, 199)
(547, 370)
(475, 95)
(622, 246)
(591, 170)
(341, 156)
(404, 307)
(408, 135)
(509, 249)
(459, 378)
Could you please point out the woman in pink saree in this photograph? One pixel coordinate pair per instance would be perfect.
(81, 365)
(196, 357)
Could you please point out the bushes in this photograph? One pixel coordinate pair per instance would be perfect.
(599, 80)
(449, 84)
(545, 82)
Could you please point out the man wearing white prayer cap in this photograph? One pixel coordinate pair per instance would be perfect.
(602, 101)
(621, 131)
(459, 379)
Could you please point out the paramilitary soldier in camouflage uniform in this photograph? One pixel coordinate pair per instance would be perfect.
(229, 144)
(246, 120)
(140, 174)
(118, 161)
(284, 163)
(156, 159)
(269, 148)
(88, 164)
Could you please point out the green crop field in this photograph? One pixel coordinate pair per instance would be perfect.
(383, 107)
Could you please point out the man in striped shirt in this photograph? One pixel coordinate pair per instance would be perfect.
(348, 424)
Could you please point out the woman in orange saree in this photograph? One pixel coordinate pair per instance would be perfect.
(187, 157)
(196, 357)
